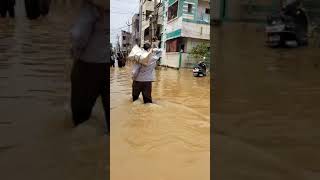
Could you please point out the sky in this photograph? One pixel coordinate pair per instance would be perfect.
(121, 11)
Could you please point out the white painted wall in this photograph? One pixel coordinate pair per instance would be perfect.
(160, 12)
(202, 5)
(171, 59)
(174, 25)
(194, 42)
(184, 60)
(193, 30)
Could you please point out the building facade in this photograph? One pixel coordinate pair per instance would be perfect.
(125, 44)
(135, 31)
(146, 9)
(186, 23)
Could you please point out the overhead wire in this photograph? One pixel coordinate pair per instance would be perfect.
(128, 25)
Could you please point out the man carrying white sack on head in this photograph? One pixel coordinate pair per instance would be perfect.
(143, 72)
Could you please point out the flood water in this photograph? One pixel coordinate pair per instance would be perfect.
(36, 138)
(266, 107)
(167, 140)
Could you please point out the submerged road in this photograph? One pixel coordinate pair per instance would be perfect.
(36, 139)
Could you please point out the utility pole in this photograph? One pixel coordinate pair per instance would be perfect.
(155, 15)
(151, 28)
(128, 46)
(118, 44)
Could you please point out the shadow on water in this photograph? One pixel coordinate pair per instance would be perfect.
(154, 141)
(35, 134)
(267, 99)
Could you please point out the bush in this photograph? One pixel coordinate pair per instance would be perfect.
(200, 51)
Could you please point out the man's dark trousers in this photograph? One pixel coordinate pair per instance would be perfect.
(145, 88)
(88, 82)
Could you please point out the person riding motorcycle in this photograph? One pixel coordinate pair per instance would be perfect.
(290, 25)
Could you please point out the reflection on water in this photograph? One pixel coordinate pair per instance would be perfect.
(35, 134)
(166, 140)
(268, 99)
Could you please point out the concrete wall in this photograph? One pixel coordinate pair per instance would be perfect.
(191, 28)
(160, 13)
(126, 41)
(144, 22)
(135, 30)
(174, 25)
(191, 43)
(202, 5)
(171, 59)
(184, 61)
(164, 27)
(194, 30)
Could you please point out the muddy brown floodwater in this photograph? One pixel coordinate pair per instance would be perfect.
(36, 141)
(266, 107)
(168, 140)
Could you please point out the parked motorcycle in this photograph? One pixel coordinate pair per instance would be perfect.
(200, 69)
(288, 28)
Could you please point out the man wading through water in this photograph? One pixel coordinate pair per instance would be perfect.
(89, 51)
(144, 75)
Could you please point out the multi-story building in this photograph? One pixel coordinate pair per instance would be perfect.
(146, 9)
(135, 31)
(156, 22)
(186, 23)
(125, 44)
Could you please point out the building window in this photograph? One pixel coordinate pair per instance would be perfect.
(148, 14)
(189, 8)
(182, 47)
(207, 11)
(146, 33)
(123, 37)
(173, 11)
(174, 45)
(171, 45)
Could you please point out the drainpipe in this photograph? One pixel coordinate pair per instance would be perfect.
(180, 58)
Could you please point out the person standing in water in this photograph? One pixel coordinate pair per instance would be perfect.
(143, 76)
(112, 59)
(90, 68)
(7, 6)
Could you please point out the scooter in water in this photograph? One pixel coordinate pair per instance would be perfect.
(287, 28)
(200, 70)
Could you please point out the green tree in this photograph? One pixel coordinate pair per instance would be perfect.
(200, 51)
